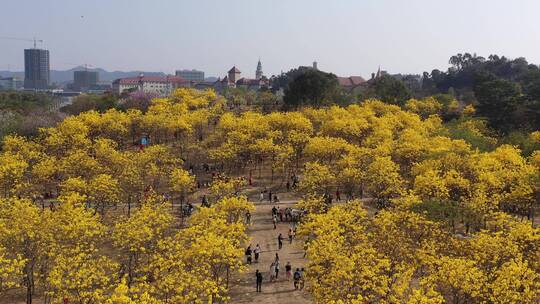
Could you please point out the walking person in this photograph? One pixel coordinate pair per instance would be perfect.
(277, 258)
(204, 202)
(295, 181)
(248, 254)
(290, 235)
(280, 241)
(288, 270)
(281, 212)
(338, 196)
(274, 220)
(306, 245)
(270, 196)
(248, 218)
(261, 197)
(296, 278)
(259, 278)
(272, 271)
(277, 269)
(257, 252)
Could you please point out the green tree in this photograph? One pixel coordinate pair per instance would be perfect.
(497, 100)
(87, 102)
(390, 90)
(531, 89)
(313, 87)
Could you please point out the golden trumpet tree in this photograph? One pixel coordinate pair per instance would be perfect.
(181, 182)
(26, 239)
(318, 179)
(11, 265)
(136, 237)
(195, 264)
(383, 180)
(234, 208)
(77, 269)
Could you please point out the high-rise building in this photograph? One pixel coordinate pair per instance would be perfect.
(36, 69)
(85, 79)
(191, 75)
(259, 72)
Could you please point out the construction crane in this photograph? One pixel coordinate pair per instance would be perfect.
(23, 39)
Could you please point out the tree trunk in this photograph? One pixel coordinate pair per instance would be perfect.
(29, 283)
(130, 270)
(28, 294)
(227, 281)
(129, 206)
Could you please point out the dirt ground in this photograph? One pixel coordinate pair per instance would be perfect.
(262, 232)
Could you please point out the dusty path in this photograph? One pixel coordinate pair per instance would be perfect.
(261, 232)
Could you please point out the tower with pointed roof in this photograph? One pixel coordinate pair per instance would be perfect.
(259, 72)
(234, 75)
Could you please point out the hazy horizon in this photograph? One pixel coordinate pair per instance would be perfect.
(345, 37)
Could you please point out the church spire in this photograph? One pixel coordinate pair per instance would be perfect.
(259, 72)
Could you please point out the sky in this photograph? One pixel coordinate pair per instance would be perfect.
(346, 37)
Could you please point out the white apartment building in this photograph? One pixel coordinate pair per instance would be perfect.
(160, 85)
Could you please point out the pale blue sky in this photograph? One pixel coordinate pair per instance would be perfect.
(347, 37)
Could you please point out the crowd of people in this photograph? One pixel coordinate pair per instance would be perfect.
(286, 215)
(297, 277)
(253, 254)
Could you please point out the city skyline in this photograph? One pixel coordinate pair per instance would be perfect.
(346, 38)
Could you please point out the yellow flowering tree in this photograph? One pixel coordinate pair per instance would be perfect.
(136, 237)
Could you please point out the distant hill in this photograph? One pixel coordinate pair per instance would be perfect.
(67, 76)
(12, 74)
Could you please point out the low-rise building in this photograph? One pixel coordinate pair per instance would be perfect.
(352, 83)
(191, 75)
(204, 85)
(11, 83)
(251, 84)
(160, 85)
(233, 80)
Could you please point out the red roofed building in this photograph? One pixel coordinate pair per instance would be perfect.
(251, 84)
(351, 83)
(161, 85)
(233, 80)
